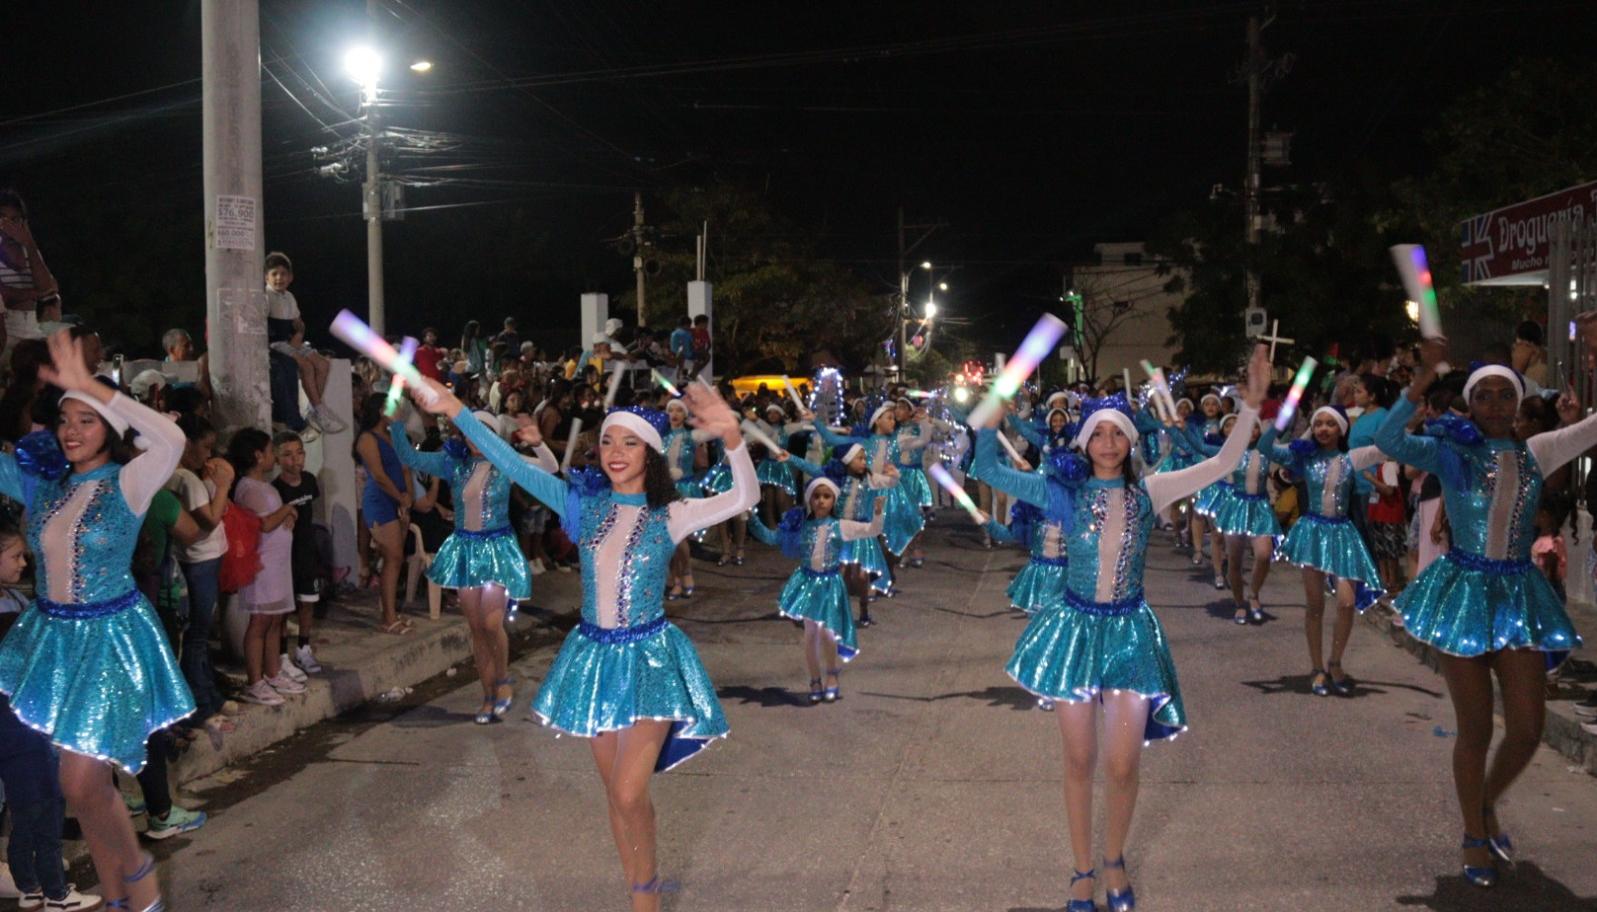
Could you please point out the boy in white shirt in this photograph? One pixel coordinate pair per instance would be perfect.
(286, 333)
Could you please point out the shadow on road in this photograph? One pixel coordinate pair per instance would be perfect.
(996, 697)
(1299, 684)
(763, 696)
(1525, 886)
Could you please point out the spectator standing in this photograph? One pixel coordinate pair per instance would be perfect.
(269, 597)
(429, 355)
(474, 347)
(202, 483)
(298, 488)
(508, 337)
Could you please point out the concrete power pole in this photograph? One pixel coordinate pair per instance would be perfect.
(372, 206)
(637, 253)
(235, 293)
(1250, 193)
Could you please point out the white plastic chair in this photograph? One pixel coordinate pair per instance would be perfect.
(416, 565)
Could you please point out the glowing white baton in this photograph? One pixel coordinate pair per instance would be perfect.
(1036, 346)
(357, 335)
(1283, 419)
(955, 491)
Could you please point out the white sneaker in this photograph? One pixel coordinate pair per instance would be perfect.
(284, 684)
(313, 421)
(8, 886)
(329, 422)
(536, 567)
(73, 902)
(287, 668)
(262, 693)
(304, 658)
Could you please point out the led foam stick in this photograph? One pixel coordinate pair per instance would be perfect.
(1010, 448)
(955, 491)
(793, 394)
(753, 432)
(664, 383)
(1283, 419)
(396, 386)
(1416, 273)
(615, 384)
(1125, 381)
(919, 394)
(1161, 391)
(354, 332)
(1036, 346)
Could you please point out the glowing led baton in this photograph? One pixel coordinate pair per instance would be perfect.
(1416, 273)
(357, 335)
(1033, 349)
(1283, 419)
(955, 491)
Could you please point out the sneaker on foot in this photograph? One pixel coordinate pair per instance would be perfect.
(177, 820)
(73, 901)
(262, 693)
(535, 567)
(29, 902)
(287, 668)
(306, 660)
(313, 420)
(331, 423)
(135, 805)
(284, 684)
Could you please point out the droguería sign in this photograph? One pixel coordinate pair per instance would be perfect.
(1515, 240)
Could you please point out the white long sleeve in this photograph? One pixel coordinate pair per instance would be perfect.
(1365, 456)
(1553, 449)
(689, 516)
(1167, 488)
(543, 457)
(853, 530)
(149, 471)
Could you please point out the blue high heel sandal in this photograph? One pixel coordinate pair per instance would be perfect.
(833, 694)
(1500, 845)
(145, 870)
(815, 690)
(657, 886)
(1480, 877)
(1082, 905)
(1120, 902)
(503, 706)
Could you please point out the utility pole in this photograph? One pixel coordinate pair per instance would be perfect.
(637, 251)
(903, 281)
(1250, 195)
(372, 204)
(235, 295)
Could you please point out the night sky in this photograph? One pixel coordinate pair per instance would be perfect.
(1032, 129)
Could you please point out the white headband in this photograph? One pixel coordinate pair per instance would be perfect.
(773, 407)
(1187, 401)
(881, 410)
(1054, 397)
(1231, 418)
(636, 425)
(112, 418)
(677, 404)
(1050, 415)
(1117, 417)
(1207, 397)
(1341, 421)
(851, 452)
(1493, 370)
(817, 482)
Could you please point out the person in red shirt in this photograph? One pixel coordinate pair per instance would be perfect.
(429, 355)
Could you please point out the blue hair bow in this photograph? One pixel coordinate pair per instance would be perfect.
(1303, 447)
(39, 454)
(456, 449)
(1456, 428)
(1115, 401)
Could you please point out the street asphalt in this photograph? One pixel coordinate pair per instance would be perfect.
(934, 784)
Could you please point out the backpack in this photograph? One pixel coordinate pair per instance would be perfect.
(242, 560)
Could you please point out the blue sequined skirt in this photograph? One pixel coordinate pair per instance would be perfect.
(1331, 546)
(913, 480)
(605, 680)
(1068, 652)
(97, 686)
(691, 487)
(1246, 514)
(867, 553)
(1211, 498)
(1037, 585)
(467, 560)
(1175, 462)
(718, 480)
(777, 474)
(1466, 605)
(902, 520)
(822, 598)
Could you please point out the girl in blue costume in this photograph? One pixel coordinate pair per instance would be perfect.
(915, 434)
(1483, 606)
(904, 520)
(1246, 518)
(777, 489)
(89, 665)
(1325, 543)
(627, 678)
(1055, 434)
(1042, 581)
(1213, 497)
(865, 567)
(1199, 430)
(481, 558)
(685, 454)
(1101, 643)
(816, 593)
(1174, 456)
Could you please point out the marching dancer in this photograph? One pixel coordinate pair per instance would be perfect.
(1212, 498)
(904, 520)
(685, 454)
(777, 489)
(1483, 606)
(1246, 518)
(1324, 542)
(915, 432)
(865, 568)
(1102, 644)
(1208, 426)
(816, 594)
(89, 665)
(481, 558)
(627, 678)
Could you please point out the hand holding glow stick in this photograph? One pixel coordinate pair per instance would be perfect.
(354, 332)
(664, 383)
(1416, 273)
(1010, 449)
(793, 393)
(955, 491)
(753, 432)
(1283, 419)
(1036, 346)
(1161, 392)
(396, 386)
(1125, 381)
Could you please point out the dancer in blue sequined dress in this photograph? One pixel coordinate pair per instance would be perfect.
(915, 434)
(626, 678)
(685, 453)
(1247, 520)
(904, 520)
(1213, 497)
(1101, 644)
(88, 664)
(481, 558)
(1325, 543)
(1483, 606)
(865, 568)
(815, 593)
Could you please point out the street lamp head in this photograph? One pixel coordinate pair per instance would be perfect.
(364, 65)
(421, 66)
(926, 264)
(931, 309)
(942, 286)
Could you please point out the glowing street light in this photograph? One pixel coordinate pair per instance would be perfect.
(931, 309)
(942, 286)
(421, 66)
(926, 264)
(364, 65)
(1412, 308)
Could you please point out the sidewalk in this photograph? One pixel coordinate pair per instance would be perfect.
(360, 663)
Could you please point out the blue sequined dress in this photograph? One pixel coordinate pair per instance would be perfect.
(816, 591)
(1042, 581)
(1101, 633)
(88, 663)
(1246, 509)
(1323, 537)
(912, 442)
(483, 549)
(857, 503)
(625, 661)
(681, 444)
(1484, 594)
(904, 520)
(1201, 443)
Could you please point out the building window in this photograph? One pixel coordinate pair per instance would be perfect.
(1133, 258)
